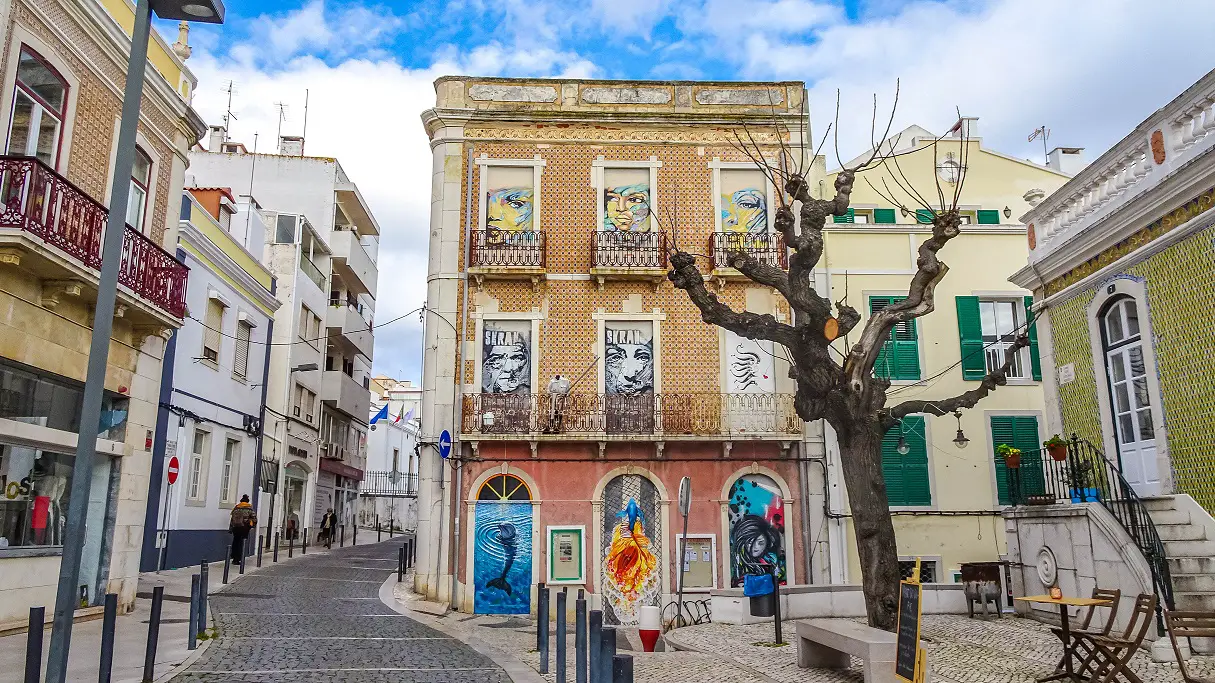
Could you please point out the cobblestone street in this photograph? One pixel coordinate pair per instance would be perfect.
(319, 618)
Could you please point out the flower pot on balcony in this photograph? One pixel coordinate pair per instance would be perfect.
(1057, 453)
(1084, 495)
(1012, 460)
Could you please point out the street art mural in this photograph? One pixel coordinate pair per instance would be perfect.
(509, 203)
(631, 548)
(749, 366)
(506, 357)
(502, 558)
(744, 202)
(757, 528)
(626, 200)
(628, 348)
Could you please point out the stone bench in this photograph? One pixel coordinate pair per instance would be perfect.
(828, 644)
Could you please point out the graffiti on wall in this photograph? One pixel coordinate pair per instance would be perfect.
(631, 547)
(628, 357)
(502, 558)
(749, 364)
(757, 528)
(626, 200)
(506, 363)
(509, 210)
(744, 203)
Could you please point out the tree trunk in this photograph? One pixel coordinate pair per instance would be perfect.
(861, 456)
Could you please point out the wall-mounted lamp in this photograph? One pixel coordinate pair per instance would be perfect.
(903, 448)
(960, 440)
(1007, 212)
(904, 211)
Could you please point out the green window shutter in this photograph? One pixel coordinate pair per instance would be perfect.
(883, 216)
(1018, 431)
(906, 476)
(899, 357)
(849, 217)
(1035, 361)
(970, 332)
(988, 217)
(923, 216)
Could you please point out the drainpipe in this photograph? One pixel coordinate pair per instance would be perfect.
(803, 476)
(458, 424)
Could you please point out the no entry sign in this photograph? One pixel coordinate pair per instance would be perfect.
(174, 468)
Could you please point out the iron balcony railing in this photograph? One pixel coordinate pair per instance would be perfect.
(504, 249)
(1087, 476)
(41, 202)
(690, 414)
(389, 484)
(646, 250)
(767, 248)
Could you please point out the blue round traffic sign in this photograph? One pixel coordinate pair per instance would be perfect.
(445, 444)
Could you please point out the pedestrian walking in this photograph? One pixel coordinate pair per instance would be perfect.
(328, 527)
(243, 519)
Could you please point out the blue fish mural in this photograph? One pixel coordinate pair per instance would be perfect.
(502, 558)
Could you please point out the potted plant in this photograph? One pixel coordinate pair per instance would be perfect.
(1012, 456)
(1080, 480)
(1057, 448)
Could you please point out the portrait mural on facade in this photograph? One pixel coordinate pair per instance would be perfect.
(508, 203)
(506, 357)
(626, 200)
(502, 558)
(628, 357)
(631, 548)
(749, 365)
(744, 202)
(757, 528)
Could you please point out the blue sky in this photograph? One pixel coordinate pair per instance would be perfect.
(1088, 69)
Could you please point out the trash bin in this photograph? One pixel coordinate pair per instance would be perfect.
(761, 589)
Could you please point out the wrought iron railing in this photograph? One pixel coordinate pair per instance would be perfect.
(1086, 475)
(389, 484)
(672, 414)
(630, 250)
(504, 249)
(767, 248)
(40, 201)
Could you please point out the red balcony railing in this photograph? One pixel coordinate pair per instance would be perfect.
(39, 201)
(767, 248)
(505, 249)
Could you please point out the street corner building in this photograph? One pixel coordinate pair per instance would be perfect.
(554, 207)
(62, 69)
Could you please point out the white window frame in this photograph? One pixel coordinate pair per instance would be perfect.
(243, 322)
(716, 166)
(213, 297)
(537, 164)
(600, 163)
(19, 37)
(1017, 299)
(196, 477)
(229, 473)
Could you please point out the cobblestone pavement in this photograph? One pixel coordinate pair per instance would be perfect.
(961, 650)
(319, 618)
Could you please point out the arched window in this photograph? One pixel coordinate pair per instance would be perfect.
(504, 487)
(757, 528)
(1130, 396)
(39, 109)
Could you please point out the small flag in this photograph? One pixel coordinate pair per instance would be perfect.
(407, 416)
(380, 415)
(399, 414)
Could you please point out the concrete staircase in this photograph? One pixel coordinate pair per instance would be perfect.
(1188, 534)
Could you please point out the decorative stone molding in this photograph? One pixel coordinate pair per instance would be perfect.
(10, 256)
(577, 134)
(623, 95)
(53, 292)
(734, 96)
(141, 333)
(495, 92)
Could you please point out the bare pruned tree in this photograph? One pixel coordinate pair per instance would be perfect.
(845, 391)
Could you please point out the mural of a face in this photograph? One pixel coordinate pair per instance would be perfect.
(632, 544)
(509, 210)
(506, 366)
(628, 361)
(757, 528)
(750, 365)
(626, 208)
(744, 211)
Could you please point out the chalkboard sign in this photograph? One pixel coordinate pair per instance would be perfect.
(907, 643)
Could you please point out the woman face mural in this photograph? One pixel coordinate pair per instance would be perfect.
(757, 529)
(509, 210)
(744, 211)
(626, 208)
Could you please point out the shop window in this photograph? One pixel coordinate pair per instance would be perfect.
(34, 487)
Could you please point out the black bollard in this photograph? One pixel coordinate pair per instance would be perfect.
(194, 585)
(304, 550)
(276, 546)
(542, 625)
(391, 529)
(379, 530)
(242, 559)
(260, 549)
(561, 601)
(291, 546)
(606, 653)
(594, 646)
(401, 564)
(204, 589)
(227, 566)
(622, 669)
(354, 534)
(776, 586)
(580, 637)
(108, 622)
(341, 535)
(149, 654)
(33, 645)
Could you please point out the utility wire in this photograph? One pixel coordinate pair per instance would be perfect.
(297, 341)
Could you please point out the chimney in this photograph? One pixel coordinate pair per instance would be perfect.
(966, 127)
(219, 135)
(1066, 160)
(291, 145)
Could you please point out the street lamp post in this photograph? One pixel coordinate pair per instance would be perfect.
(209, 11)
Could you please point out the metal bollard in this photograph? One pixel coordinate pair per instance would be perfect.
(194, 585)
(304, 550)
(33, 645)
(562, 597)
(149, 654)
(227, 566)
(606, 653)
(379, 530)
(622, 669)
(391, 530)
(204, 589)
(341, 535)
(291, 547)
(354, 535)
(594, 646)
(401, 564)
(260, 549)
(542, 625)
(276, 546)
(108, 622)
(242, 559)
(580, 637)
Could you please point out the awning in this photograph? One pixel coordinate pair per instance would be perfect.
(340, 468)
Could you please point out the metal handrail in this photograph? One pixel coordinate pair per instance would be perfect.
(647, 250)
(389, 484)
(765, 247)
(502, 248)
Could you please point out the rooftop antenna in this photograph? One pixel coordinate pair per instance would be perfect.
(305, 133)
(228, 115)
(249, 206)
(282, 116)
(1044, 133)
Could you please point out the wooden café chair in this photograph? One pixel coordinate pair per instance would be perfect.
(1108, 656)
(1086, 625)
(1189, 625)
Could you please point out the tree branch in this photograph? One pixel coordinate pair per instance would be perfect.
(686, 276)
(995, 378)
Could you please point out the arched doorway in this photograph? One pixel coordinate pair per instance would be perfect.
(630, 548)
(502, 546)
(1131, 398)
(756, 518)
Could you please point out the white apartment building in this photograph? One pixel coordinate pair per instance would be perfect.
(389, 490)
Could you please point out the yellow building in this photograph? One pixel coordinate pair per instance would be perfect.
(946, 499)
(61, 83)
